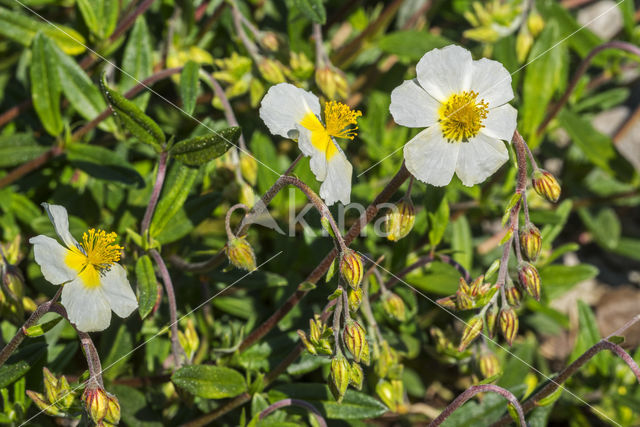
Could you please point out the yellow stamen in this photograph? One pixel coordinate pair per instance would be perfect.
(338, 117)
(461, 116)
(97, 253)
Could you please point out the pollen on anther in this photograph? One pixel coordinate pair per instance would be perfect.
(339, 118)
(462, 116)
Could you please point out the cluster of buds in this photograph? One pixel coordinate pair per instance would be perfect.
(546, 185)
(342, 374)
(240, 253)
(399, 222)
(469, 296)
(102, 407)
(492, 20)
(58, 396)
(394, 306)
(319, 337)
(189, 340)
(301, 68)
(351, 268)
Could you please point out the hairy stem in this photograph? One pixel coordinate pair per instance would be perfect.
(227, 218)
(155, 193)
(248, 44)
(294, 402)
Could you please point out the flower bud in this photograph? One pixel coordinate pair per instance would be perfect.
(463, 300)
(189, 340)
(513, 295)
(247, 197)
(535, 23)
(448, 302)
(351, 267)
(249, 167)
(272, 71)
(96, 403)
(530, 242)
(45, 406)
(530, 279)
(356, 377)
(340, 376)
(355, 299)
(355, 339)
(113, 410)
(394, 306)
(301, 67)
(269, 40)
(331, 82)
(50, 385)
(241, 254)
(399, 222)
(546, 185)
(524, 41)
(471, 331)
(303, 337)
(386, 360)
(508, 324)
(491, 316)
(384, 390)
(316, 329)
(66, 395)
(489, 365)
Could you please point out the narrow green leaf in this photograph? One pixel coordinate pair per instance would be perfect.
(588, 335)
(147, 285)
(136, 122)
(438, 222)
(18, 148)
(411, 45)
(174, 194)
(109, 12)
(45, 84)
(557, 279)
(21, 362)
(103, 163)
(312, 9)
(89, 15)
(42, 328)
(119, 343)
(605, 227)
(189, 85)
(210, 382)
(137, 61)
(201, 149)
(461, 242)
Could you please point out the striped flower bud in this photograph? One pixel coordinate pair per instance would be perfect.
(356, 377)
(530, 242)
(43, 404)
(489, 365)
(546, 185)
(355, 339)
(513, 294)
(448, 302)
(351, 267)
(355, 299)
(50, 385)
(491, 316)
(66, 396)
(340, 375)
(399, 222)
(96, 403)
(113, 410)
(394, 306)
(471, 331)
(508, 324)
(240, 253)
(303, 337)
(529, 279)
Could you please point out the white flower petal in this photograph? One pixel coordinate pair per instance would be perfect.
(284, 106)
(337, 186)
(118, 292)
(500, 122)
(430, 158)
(492, 82)
(50, 256)
(318, 161)
(480, 158)
(60, 220)
(443, 72)
(412, 106)
(87, 308)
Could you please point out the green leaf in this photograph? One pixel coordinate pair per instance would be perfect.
(100, 16)
(119, 343)
(147, 286)
(45, 84)
(438, 277)
(355, 405)
(210, 382)
(136, 122)
(438, 222)
(80, 90)
(189, 85)
(461, 242)
(135, 409)
(605, 226)
(137, 61)
(312, 9)
(518, 363)
(18, 148)
(42, 328)
(628, 11)
(202, 149)
(557, 279)
(588, 335)
(597, 147)
(629, 247)
(21, 362)
(89, 15)
(174, 194)
(103, 163)
(411, 45)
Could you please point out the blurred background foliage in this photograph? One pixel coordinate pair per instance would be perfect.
(51, 56)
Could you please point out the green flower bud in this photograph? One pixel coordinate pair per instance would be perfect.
(386, 360)
(113, 410)
(491, 316)
(189, 340)
(66, 395)
(524, 41)
(272, 71)
(301, 67)
(355, 299)
(471, 332)
(240, 254)
(384, 390)
(355, 339)
(332, 82)
(529, 279)
(489, 365)
(513, 294)
(530, 242)
(535, 23)
(339, 377)
(351, 268)
(303, 337)
(449, 302)
(96, 403)
(399, 222)
(249, 167)
(508, 324)
(269, 40)
(44, 405)
(356, 377)
(50, 385)
(394, 306)
(546, 185)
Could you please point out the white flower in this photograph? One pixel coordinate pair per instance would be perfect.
(463, 105)
(294, 113)
(93, 282)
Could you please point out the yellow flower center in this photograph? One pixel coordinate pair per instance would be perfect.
(97, 253)
(461, 116)
(338, 118)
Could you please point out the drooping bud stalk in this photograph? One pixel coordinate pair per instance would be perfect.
(355, 299)
(355, 339)
(340, 376)
(394, 306)
(513, 294)
(351, 267)
(96, 403)
(491, 316)
(240, 253)
(356, 375)
(489, 365)
(529, 279)
(546, 185)
(530, 242)
(508, 324)
(113, 410)
(471, 331)
(399, 222)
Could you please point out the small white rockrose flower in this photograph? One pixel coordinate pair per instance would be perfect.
(294, 113)
(462, 103)
(93, 282)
